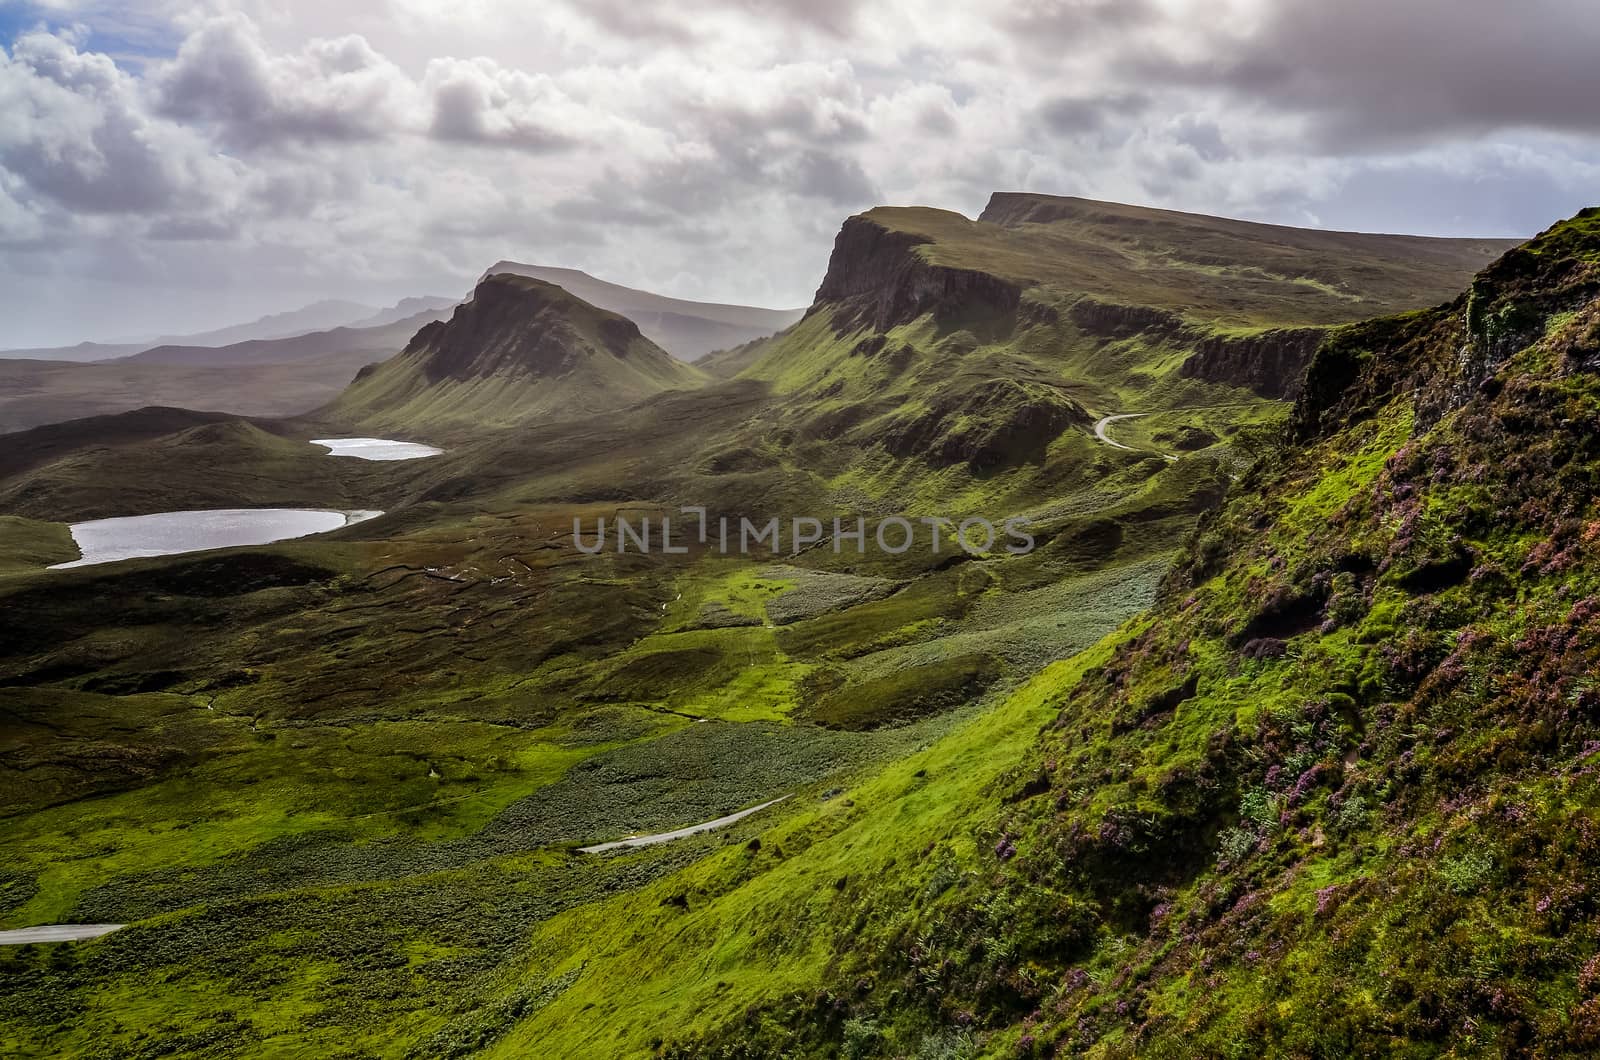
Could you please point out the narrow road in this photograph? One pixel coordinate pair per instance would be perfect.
(1105, 421)
(56, 933)
(665, 837)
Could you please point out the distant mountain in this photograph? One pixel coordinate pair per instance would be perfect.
(260, 377)
(82, 352)
(381, 341)
(328, 313)
(688, 330)
(33, 393)
(435, 307)
(319, 316)
(520, 350)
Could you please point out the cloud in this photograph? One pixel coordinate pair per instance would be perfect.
(683, 24)
(77, 133)
(478, 101)
(300, 148)
(332, 89)
(1376, 75)
(1069, 115)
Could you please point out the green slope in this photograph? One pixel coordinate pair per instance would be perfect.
(1336, 794)
(335, 786)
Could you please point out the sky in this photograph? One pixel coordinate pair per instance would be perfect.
(173, 165)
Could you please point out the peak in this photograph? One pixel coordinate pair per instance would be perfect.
(543, 296)
(556, 273)
(521, 348)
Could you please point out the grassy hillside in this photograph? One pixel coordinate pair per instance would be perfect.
(226, 463)
(1335, 795)
(337, 787)
(30, 543)
(1233, 273)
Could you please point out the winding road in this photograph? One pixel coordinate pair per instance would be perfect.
(1106, 421)
(56, 933)
(665, 837)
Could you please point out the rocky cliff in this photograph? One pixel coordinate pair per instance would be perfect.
(877, 278)
(1271, 363)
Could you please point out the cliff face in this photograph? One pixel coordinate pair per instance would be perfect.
(1271, 363)
(876, 278)
(1107, 320)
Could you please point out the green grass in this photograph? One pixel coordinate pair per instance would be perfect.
(27, 544)
(760, 925)
(336, 787)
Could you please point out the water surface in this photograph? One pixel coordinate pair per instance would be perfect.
(376, 448)
(173, 533)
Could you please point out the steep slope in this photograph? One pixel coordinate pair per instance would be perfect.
(1337, 793)
(519, 350)
(688, 330)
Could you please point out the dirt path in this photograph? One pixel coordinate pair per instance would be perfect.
(1106, 421)
(665, 837)
(56, 933)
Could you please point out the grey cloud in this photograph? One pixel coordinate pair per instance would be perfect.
(604, 210)
(832, 178)
(338, 90)
(1373, 74)
(480, 102)
(184, 229)
(1073, 115)
(343, 91)
(75, 132)
(686, 24)
(1048, 28)
(1203, 136)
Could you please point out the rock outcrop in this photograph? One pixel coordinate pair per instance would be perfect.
(878, 279)
(1271, 363)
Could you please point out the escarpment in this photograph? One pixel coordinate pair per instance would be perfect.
(1271, 363)
(877, 278)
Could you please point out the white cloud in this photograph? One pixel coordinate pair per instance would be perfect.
(711, 149)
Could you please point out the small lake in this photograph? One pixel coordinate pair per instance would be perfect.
(173, 533)
(376, 448)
